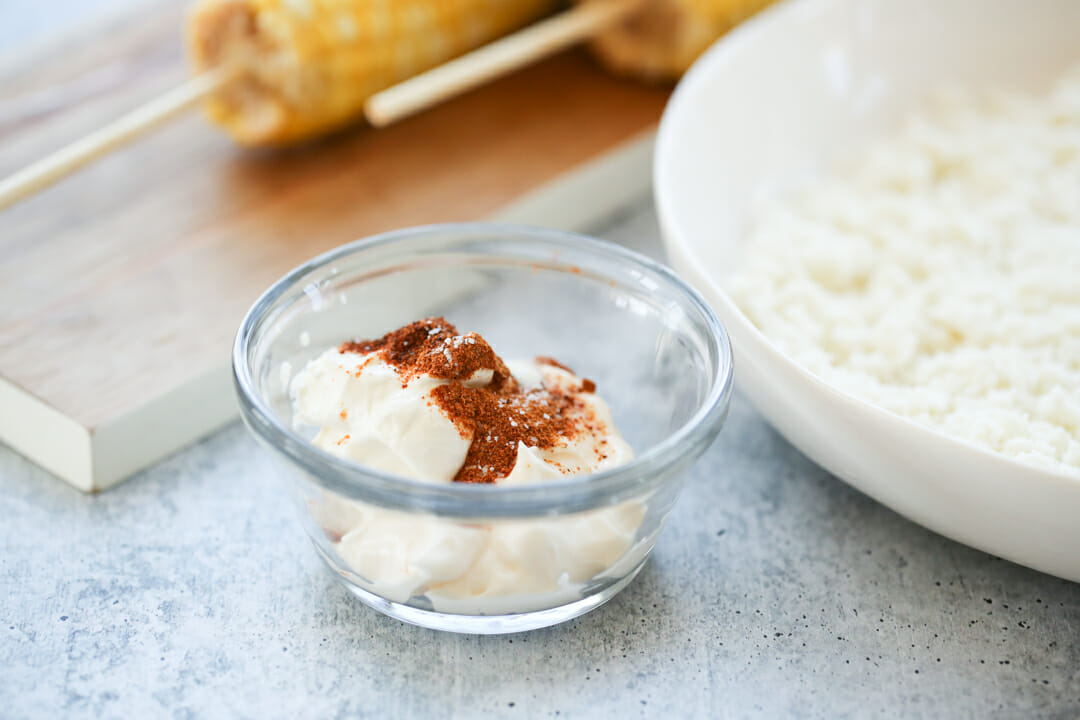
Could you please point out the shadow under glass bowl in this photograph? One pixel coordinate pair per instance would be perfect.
(484, 558)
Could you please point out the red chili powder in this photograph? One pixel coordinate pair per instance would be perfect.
(498, 415)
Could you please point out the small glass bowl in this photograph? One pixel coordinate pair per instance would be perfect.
(527, 556)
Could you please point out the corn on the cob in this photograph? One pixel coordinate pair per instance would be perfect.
(305, 67)
(664, 37)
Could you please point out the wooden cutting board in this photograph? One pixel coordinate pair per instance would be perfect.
(121, 287)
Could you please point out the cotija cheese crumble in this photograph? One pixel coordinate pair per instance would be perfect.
(937, 274)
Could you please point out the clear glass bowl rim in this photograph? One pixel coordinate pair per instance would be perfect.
(650, 469)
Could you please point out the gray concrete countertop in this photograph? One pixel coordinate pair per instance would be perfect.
(190, 591)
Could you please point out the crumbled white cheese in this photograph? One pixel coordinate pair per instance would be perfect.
(937, 274)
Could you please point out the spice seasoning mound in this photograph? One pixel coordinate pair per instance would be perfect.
(497, 415)
(498, 421)
(432, 346)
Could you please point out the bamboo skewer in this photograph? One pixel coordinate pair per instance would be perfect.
(383, 108)
(497, 58)
(119, 132)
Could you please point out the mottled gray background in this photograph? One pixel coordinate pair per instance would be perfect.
(190, 591)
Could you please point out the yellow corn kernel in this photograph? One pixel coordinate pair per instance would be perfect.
(663, 38)
(306, 66)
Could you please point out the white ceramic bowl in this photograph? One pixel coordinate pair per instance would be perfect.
(769, 105)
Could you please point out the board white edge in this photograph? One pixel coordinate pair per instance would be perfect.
(96, 459)
(161, 426)
(42, 433)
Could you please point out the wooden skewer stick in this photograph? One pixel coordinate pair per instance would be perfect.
(498, 58)
(121, 131)
(468, 71)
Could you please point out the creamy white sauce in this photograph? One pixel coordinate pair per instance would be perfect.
(364, 411)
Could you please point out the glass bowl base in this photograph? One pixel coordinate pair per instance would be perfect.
(488, 624)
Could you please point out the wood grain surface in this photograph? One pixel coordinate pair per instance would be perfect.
(129, 279)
